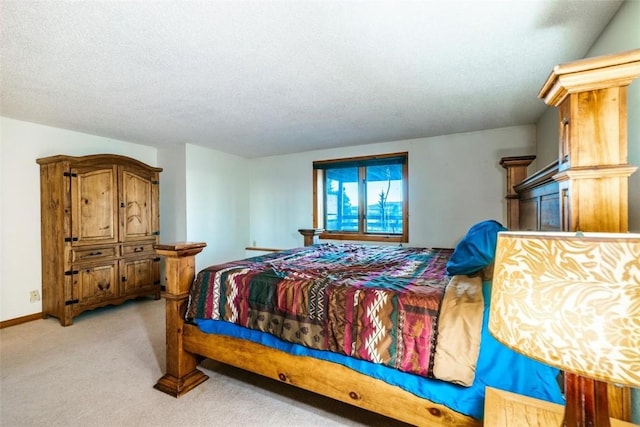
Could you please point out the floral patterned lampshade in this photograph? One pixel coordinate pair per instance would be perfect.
(571, 301)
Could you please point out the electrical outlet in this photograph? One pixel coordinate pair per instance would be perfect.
(34, 296)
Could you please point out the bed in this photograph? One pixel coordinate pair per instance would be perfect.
(375, 326)
(537, 201)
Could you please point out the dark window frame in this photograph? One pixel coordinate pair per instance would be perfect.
(319, 193)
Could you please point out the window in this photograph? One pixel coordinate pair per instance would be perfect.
(362, 198)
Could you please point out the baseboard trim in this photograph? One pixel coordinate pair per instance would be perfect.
(254, 248)
(20, 320)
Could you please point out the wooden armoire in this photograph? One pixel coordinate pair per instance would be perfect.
(100, 220)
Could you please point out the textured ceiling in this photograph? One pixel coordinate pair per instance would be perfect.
(273, 77)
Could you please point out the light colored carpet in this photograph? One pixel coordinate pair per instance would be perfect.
(101, 370)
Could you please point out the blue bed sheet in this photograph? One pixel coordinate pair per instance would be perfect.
(498, 367)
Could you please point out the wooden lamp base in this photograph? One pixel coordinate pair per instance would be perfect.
(587, 402)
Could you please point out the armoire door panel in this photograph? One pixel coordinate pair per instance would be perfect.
(136, 206)
(94, 198)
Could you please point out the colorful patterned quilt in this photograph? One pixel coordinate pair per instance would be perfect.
(385, 304)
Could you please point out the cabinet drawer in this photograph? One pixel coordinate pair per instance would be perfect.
(139, 248)
(89, 254)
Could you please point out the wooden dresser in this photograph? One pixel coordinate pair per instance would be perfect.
(100, 220)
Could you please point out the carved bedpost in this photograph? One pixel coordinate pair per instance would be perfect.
(591, 97)
(516, 172)
(310, 235)
(181, 373)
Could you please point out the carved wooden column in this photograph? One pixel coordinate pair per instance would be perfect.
(516, 172)
(591, 96)
(181, 373)
(310, 235)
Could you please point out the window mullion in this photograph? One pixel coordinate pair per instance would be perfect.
(324, 199)
(362, 199)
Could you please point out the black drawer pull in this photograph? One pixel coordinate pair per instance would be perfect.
(95, 253)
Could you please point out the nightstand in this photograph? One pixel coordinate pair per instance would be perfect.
(505, 409)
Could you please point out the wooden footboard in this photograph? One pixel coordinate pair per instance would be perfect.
(187, 345)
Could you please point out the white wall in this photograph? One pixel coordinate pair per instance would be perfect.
(217, 201)
(455, 181)
(21, 143)
(173, 194)
(622, 33)
(204, 198)
(547, 148)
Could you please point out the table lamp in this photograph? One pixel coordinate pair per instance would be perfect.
(572, 300)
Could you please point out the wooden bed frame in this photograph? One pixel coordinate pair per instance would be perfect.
(548, 200)
(187, 345)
